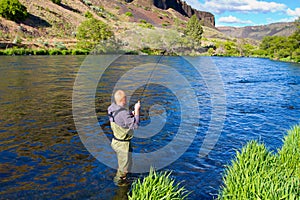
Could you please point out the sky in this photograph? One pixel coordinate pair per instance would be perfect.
(241, 13)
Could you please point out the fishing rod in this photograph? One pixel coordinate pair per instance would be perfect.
(148, 80)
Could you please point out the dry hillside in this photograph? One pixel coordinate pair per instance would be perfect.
(258, 32)
(49, 23)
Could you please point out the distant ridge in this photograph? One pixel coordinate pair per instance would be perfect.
(258, 32)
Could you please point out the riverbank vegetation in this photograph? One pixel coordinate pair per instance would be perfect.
(99, 28)
(25, 51)
(282, 48)
(156, 186)
(13, 10)
(257, 173)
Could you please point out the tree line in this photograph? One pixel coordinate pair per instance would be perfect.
(282, 48)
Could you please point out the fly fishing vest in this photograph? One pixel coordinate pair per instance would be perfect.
(121, 134)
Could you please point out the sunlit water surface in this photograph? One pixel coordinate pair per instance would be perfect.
(42, 156)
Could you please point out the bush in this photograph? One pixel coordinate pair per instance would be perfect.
(145, 24)
(40, 52)
(56, 1)
(13, 10)
(157, 186)
(60, 45)
(129, 14)
(54, 52)
(79, 52)
(91, 32)
(257, 173)
(88, 14)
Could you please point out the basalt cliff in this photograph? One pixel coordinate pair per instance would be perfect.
(183, 8)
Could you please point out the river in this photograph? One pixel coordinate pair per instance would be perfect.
(43, 155)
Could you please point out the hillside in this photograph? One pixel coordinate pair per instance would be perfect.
(49, 24)
(138, 25)
(258, 32)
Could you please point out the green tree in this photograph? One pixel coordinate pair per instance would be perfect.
(230, 48)
(194, 29)
(13, 10)
(91, 32)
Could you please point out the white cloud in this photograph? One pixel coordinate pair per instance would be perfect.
(194, 3)
(293, 13)
(221, 6)
(270, 20)
(233, 20)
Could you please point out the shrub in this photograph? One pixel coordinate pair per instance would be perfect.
(157, 186)
(40, 52)
(129, 14)
(145, 24)
(79, 52)
(92, 32)
(56, 1)
(60, 45)
(88, 14)
(257, 173)
(13, 10)
(54, 52)
(210, 51)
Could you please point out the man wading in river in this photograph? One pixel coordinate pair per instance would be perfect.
(122, 124)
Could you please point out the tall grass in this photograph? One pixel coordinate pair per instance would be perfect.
(257, 173)
(157, 186)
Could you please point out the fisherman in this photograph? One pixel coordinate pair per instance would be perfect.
(122, 124)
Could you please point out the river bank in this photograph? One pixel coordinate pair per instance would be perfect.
(147, 51)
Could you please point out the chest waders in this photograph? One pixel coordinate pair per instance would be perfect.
(122, 146)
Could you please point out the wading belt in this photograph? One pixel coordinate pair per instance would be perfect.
(121, 140)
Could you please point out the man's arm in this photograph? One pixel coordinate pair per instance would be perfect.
(136, 119)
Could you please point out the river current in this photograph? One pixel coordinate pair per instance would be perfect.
(43, 155)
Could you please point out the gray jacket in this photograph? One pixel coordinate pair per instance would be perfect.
(122, 117)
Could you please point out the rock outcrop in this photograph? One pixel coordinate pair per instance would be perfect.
(183, 8)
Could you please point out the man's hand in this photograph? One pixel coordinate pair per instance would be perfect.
(137, 107)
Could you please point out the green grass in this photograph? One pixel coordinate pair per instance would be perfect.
(157, 186)
(57, 51)
(257, 173)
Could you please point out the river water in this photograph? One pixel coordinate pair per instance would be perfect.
(42, 155)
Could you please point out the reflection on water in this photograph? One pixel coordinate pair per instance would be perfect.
(42, 156)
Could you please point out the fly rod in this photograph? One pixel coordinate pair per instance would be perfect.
(148, 80)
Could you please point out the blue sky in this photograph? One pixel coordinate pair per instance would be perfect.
(249, 12)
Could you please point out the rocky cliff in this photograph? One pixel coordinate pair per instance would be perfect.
(183, 8)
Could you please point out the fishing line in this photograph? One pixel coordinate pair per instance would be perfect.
(151, 74)
(148, 80)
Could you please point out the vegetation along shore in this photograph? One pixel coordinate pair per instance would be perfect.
(255, 173)
(66, 27)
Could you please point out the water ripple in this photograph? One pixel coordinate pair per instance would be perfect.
(41, 155)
